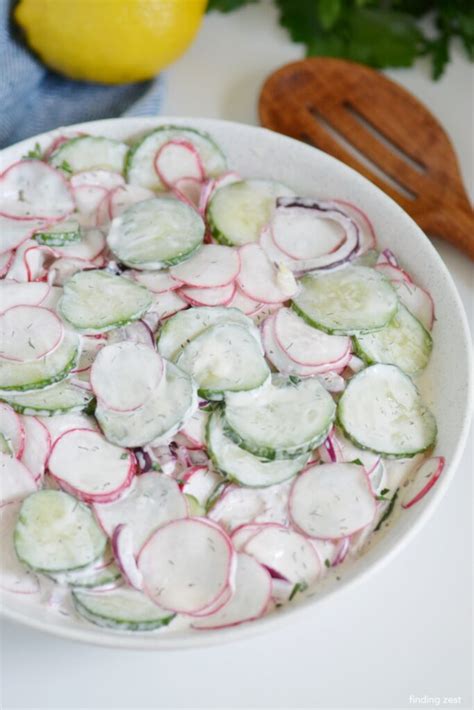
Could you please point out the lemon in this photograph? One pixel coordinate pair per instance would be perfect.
(110, 41)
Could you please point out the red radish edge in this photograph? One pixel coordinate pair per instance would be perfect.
(231, 565)
(109, 497)
(125, 559)
(430, 482)
(188, 146)
(32, 217)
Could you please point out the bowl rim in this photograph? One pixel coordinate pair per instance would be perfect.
(192, 640)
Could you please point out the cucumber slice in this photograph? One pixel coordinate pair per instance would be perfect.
(59, 234)
(140, 167)
(381, 410)
(237, 212)
(404, 342)
(159, 418)
(156, 233)
(179, 330)
(281, 420)
(90, 153)
(225, 357)
(96, 301)
(55, 533)
(122, 609)
(58, 399)
(37, 374)
(243, 467)
(347, 301)
(101, 573)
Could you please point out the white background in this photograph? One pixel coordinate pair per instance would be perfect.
(405, 631)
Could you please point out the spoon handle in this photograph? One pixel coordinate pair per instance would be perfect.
(455, 225)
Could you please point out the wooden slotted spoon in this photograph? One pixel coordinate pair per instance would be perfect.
(379, 129)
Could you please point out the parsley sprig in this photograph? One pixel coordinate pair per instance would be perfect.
(380, 33)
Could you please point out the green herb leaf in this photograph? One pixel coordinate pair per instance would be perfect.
(299, 587)
(388, 511)
(380, 33)
(65, 167)
(329, 12)
(35, 154)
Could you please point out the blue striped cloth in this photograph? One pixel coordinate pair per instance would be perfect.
(34, 99)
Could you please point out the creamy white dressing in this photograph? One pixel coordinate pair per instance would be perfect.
(237, 506)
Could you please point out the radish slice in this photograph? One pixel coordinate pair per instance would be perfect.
(164, 305)
(243, 534)
(137, 332)
(304, 233)
(378, 477)
(238, 506)
(187, 564)
(14, 576)
(425, 478)
(253, 588)
(15, 231)
(217, 605)
(29, 333)
(332, 500)
(97, 178)
(201, 482)
(88, 198)
(11, 426)
(244, 303)
(286, 553)
(219, 296)
(122, 546)
(64, 268)
(355, 364)
(332, 381)
(259, 280)
(16, 481)
(124, 196)
(306, 345)
(6, 260)
(417, 301)
(195, 428)
(58, 424)
(177, 159)
(211, 266)
(29, 263)
(13, 293)
(31, 189)
(155, 281)
(285, 364)
(393, 273)
(346, 247)
(90, 247)
(189, 189)
(152, 501)
(91, 346)
(350, 453)
(89, 467)
(124, 375)
(37, 447)
(367, 236)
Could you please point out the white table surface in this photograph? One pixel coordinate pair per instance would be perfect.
(406, 631)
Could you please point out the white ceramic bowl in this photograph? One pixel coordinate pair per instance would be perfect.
(258, 152)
